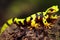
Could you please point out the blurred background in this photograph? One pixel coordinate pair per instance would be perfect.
(23, 8)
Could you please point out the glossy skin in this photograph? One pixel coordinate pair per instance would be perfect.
(31, 20)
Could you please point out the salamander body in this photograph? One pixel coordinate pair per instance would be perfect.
(34, 19)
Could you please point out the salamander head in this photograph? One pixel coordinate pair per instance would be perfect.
(52, 13)
(52, 9)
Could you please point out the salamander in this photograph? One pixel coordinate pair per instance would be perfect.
(34, 19)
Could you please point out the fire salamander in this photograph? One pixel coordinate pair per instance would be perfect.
(34, 19)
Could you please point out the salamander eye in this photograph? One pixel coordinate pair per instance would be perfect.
(51, 9)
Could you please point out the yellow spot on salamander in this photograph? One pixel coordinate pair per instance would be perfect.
(38, 13)
(54, 17)
(36, 25)
(44, 13)
(33, 16)
(38, 17)
(45, 22)
(21, 20)
(33, 23)
(3, 28)
(10, 21)
(33, 20)
(46, 16)
(28, 19)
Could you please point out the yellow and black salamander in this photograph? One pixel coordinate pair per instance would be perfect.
(34, 19)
